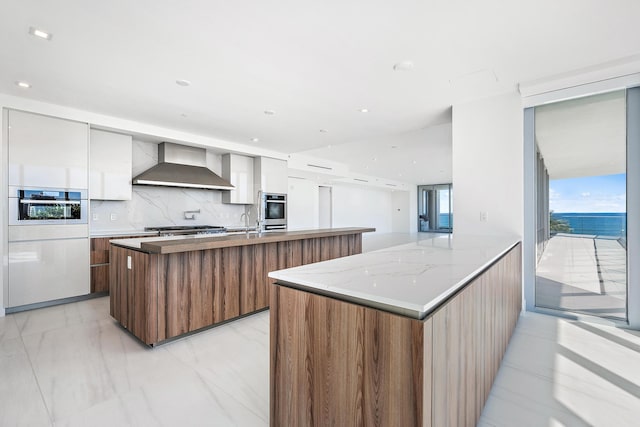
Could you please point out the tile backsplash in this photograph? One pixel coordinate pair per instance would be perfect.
(158, 206)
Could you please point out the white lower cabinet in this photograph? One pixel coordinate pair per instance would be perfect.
(47, 263)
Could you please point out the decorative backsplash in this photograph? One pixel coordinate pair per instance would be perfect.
(158, 206)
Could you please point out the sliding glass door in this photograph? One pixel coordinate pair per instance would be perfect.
(581, 209)
(435, 208)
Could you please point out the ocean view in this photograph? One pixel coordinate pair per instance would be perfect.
(599, 223)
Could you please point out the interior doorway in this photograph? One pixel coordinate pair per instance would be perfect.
(435, 208)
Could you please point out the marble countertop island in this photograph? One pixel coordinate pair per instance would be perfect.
(411, 279)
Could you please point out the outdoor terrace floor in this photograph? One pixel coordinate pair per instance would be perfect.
(583, 274)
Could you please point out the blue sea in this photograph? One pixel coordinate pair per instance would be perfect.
(603, 224)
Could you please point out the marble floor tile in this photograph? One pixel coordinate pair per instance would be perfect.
(74, 366)
(60, 316)
(8, 328)
(563, 372)
(180, 399)
(235, 358)
(82, 365)
(21, 402)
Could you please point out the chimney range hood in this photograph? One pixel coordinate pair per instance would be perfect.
(182, 166)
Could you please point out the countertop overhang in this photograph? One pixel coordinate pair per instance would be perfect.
(411, 280)
(173, 244)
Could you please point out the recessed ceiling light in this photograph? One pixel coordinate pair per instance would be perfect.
(269, 112)
(364, 110)
(255, 139)
(403, 66)
(40, 33)
(182, 82)
(23, 85)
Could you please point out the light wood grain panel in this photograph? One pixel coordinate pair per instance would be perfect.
(99, 250)
(260, 285)
(248, 285)
(99, 278)
(470, 335)
(308, 251)
(187, 291)
(294, 253)
(335, 363)
(200, 283)
(339, 364)
(344, 246)
(427, 374)
(283, 255)
(230, 282)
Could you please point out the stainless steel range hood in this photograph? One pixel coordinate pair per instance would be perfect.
(182, 166)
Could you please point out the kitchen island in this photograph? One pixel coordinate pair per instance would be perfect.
(412, 335)
(164, 287)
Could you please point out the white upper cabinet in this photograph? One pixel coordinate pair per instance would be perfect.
(271, 175)
(110, 166)
(238, 170)
(47, 152)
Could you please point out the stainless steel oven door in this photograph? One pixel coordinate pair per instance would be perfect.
(30, 206)
(274, 210)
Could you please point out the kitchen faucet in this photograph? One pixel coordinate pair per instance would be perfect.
(191, 214)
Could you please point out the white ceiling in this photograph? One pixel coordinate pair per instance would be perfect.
(583, 137)
(314, 63)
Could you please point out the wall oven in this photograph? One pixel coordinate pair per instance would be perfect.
(42, 206)
(274, 211)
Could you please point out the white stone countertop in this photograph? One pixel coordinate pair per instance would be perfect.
(411, 279)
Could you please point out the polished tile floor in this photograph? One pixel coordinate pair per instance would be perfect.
(72, 365)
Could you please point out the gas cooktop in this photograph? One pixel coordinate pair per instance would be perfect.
(187, 229)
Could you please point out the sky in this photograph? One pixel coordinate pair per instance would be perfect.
(607, 193)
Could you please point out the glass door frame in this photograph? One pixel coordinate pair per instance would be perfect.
(632, 85)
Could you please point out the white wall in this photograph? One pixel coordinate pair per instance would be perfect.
(325, 208)
(302, 204)
(362, 207)
(488, 166)
(400, 213)
(352, 206)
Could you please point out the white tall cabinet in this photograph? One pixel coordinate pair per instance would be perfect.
(47, 151)
(111, 164)
(238, 170)
(46, 261)
(271, 175)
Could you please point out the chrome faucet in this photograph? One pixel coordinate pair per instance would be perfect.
(245, 215)
(191, 214)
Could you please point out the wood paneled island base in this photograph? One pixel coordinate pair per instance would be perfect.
(168, 293)
(337, 363)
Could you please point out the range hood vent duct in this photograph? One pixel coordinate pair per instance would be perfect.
(182, 166)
